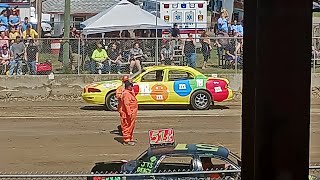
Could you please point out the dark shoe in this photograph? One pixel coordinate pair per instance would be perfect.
(120, 130)
(114, 132)
(129, 143)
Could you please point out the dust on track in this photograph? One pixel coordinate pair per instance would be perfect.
(72, 136)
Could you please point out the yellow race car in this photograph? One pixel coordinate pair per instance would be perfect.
(161, 85)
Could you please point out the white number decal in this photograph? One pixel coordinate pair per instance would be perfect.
(182, 86)
(217, 89)
(145, 89)
(199, 82)
(159, 97)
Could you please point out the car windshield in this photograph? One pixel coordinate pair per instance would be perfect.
(133, 76)
(142, 155)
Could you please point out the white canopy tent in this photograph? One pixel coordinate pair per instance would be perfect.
(122, 16)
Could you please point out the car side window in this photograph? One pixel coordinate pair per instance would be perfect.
(211, 163)
(153, 76)
(176, 163)
(175, 75)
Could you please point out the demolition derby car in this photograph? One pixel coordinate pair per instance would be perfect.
(163, 156)
(159, 85)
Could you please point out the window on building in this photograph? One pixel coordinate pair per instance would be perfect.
(77, 21)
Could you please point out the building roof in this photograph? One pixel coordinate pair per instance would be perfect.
(77, 6)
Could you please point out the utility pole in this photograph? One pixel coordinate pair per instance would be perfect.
(66, 42)
(157, 41)
(39, 16)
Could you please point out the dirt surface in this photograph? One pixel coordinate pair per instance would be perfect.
(72, 136)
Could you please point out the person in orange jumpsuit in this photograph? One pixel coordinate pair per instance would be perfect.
(119, 92)
(130, 107)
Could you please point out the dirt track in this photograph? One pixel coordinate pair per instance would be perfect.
(65, 136)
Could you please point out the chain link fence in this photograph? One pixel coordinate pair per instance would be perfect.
(209, 55)
(314, 174)
(315, 171)
(125, 55)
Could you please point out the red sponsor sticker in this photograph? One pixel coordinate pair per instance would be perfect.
(161, 136)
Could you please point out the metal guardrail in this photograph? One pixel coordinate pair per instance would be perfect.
(314, 170)
(115, 174)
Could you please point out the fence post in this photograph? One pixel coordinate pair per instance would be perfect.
(236, 55)
(124, 176)
(157, 50)
(314, 55)
(79, 57)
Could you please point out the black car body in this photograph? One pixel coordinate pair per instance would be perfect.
(176, 158)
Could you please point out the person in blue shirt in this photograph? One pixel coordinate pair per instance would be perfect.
(4, 19)
(25, 24)
(237, 29)
(234, 26)
(240, 28)
(14, 19)
(223, 21)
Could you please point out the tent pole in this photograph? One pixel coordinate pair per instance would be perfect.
(157, 42)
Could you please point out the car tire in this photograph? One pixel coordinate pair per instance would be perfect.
(200, 100)
(111, 102)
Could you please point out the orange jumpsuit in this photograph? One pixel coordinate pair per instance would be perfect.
(130, 107)
(122, 114)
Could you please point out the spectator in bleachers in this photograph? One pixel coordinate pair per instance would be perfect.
(4, 40)
(4, 20)
(30, 32)
(189, 50)
(240, 29)
(99, 57)
(136, 55)
(223, 21)
(74, 35)
(14, 19)
(114, 57)
(205, 48)
(232, 53)
(32, 56)
(237, 29)
(315, 53)
(167, 53)
(221, 42)
(14, 33)
(125, 45)
(215, 26)
(25, 24)
(17, 50)
(175, 32)
(4, 59)
(234, 26)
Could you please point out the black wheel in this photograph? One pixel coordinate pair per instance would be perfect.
(111, 101)
(201, 100)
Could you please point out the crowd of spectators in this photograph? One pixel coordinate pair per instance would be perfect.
(17, 43)
(229, 49)
(109, 56)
